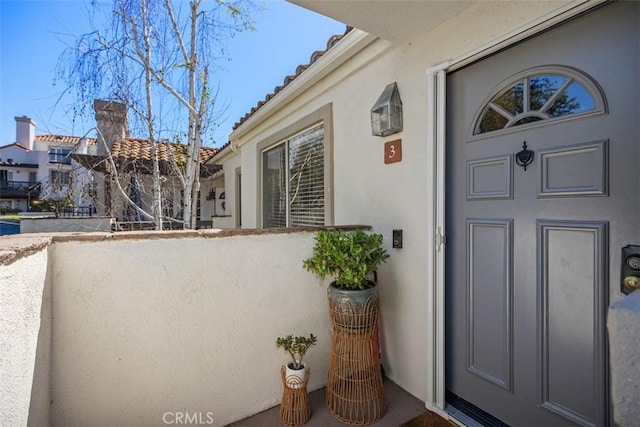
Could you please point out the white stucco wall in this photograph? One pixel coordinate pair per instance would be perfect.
(144, 328)
(24, 341)
(222, 222)
(394, 196)
(624, 337)
(17, 155)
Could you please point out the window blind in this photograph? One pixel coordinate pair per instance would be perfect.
(274, 192)
(306, 178)
(293, 181)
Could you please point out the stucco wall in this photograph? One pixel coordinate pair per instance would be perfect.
(76, 224)
(223, 222)
(144, 328)
(24, 341)
(624, 338)
(394, 196)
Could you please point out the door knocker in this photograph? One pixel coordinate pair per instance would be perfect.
(524, 157)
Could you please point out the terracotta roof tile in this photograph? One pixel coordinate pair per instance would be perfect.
(132, 149)
(16, 144)
(288, 79)
(63, 139)
(134, 154)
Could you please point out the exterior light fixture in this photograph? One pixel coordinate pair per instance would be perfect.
(386, 114)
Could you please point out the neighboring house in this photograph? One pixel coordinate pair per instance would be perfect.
(40, 167)
(133, 171)
(18, 177)
(508, 317)
(75, 172)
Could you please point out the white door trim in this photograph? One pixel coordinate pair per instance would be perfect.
(436, 135)
(436, 108)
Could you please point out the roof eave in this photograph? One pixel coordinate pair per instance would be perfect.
(391, 20)
(351, 43)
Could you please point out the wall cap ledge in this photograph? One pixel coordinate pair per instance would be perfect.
(16, 246)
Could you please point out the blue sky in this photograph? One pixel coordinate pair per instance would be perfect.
(33, 33)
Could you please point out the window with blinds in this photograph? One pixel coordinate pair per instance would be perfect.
(60, 155)
(293, 181)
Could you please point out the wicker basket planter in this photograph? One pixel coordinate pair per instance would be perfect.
(355, 393)
(294, 409)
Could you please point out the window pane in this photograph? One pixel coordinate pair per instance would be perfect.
(548, 94)
(59, 155)
(575, 99)
(541, 88)
(491, 121)
(274, 191)
(57, 177)
(511, 100)
(306, 178)
(525, 120)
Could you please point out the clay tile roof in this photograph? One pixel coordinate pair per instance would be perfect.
(63, 139)
(132, 149)
(288, 79)
(16, 144)
(134, 154)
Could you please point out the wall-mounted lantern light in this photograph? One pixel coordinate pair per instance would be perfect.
(386, 114)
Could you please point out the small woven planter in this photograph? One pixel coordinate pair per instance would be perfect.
(294, 409)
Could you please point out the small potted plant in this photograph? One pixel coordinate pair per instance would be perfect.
(350, 258)
(297, 347)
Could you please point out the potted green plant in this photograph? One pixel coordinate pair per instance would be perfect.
(350, 258)
(296, 347)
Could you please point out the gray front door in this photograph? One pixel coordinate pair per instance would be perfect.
(533, 256)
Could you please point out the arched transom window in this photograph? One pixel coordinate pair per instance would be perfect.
(538, 96)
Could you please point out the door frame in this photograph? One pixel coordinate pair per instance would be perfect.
(436, 120)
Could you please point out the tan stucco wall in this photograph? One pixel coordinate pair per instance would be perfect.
(142, 328)
(24, 349)
(75, 224)
(395, 196)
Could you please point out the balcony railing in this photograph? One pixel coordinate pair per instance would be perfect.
(75, 211)
(19, 189)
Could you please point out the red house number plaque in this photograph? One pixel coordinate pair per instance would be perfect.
(393, 151)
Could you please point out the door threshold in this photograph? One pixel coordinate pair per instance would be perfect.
(469, 414)
(460, 418)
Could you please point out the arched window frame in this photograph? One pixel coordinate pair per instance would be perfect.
(571, 74)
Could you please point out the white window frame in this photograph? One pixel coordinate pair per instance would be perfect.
(570, 74)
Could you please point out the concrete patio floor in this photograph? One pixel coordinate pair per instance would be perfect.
(401, 407)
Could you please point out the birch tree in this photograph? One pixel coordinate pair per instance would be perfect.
(159, 57)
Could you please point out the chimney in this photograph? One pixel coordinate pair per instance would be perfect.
(83, 148)
(111, 118)
(25, 131)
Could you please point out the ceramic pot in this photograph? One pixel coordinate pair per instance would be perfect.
(294, 378)
(353, 310)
